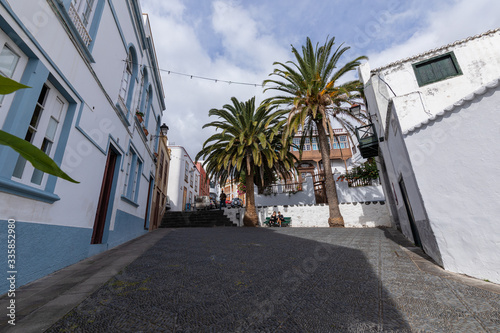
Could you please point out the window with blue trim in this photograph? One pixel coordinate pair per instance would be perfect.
(12, 62)
(43, 132)
(296, 141)
(126, 98)
(133, 172)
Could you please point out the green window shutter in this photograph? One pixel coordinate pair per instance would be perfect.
(436, 69)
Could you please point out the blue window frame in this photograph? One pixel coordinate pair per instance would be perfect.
(133, 171)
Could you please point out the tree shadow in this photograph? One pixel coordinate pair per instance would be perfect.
(246, 280)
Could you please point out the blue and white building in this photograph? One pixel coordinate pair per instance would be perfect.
(91, 66)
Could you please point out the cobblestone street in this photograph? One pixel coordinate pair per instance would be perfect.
(282, 280)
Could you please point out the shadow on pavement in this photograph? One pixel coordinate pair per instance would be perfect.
(246, 280)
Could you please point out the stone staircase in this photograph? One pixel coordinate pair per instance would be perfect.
(200, 219)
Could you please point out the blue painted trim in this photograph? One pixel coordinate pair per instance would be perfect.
(156, 73)
(21, 110)
(138, 185)
(123, 114)
(22, 45)
(130, 202)
(65, 3)
(127, 227)
(157, 137)
(115, 17)
(96, 20)
(13, 187)
(135, 73)
(143, 92)
(131, 176)
(136, 19)
(148, 104)
(61, 144)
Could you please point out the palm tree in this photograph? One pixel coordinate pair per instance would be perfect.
(313, 97)
(245, 144)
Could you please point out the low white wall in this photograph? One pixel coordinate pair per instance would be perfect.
(347, 194)
(235, 215)
(310, 216)
(304, 197)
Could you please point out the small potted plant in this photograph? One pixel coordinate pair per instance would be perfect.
(146, 132)
(139, 116)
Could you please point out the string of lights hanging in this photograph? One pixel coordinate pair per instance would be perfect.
(211, 79)
(192, 76)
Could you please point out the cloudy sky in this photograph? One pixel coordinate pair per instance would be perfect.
(238, 41)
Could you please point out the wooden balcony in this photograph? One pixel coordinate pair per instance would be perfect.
(315, 155)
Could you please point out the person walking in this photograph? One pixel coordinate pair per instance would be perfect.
(222, 199)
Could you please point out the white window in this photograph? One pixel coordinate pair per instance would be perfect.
(296, 141)
(43, 132)
(314, 144)
(81, 13)
(12, 62)
(85, 10)
(132, 176)
(186, 172)
(139, 92)
(307, 144)
(195, 182)
(127, 75)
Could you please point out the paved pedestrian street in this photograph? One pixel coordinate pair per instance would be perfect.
(284, 280)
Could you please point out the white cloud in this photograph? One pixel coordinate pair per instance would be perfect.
(455, 21)
(236, 41)
(247, 56)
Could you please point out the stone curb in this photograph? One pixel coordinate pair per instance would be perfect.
(43, 302)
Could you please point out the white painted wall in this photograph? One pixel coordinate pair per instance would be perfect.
(83, 160)
(346, 194)
(478, 58)
(312, 216)
(454, 211)
(176, 179)
(456, 163)
(304, 197)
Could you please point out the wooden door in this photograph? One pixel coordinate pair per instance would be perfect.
(102, 206)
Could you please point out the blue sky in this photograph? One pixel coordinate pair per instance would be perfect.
(238, 40)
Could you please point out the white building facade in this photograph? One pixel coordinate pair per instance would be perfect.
(183, 180)
(90, 66)
(437, 116)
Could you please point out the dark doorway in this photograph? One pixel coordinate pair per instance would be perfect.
(319, 188)
(146, 214)
(409, 212)
(102, 206)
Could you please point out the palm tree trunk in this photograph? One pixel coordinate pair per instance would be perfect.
(335, 219)
(251, 219)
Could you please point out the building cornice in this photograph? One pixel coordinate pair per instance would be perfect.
(426, 53)
(455, 106)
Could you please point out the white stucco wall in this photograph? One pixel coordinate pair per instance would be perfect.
(176, 180)
(313, 216)
(456, 163)
(479, 61)
(304, 197)
(347, 194)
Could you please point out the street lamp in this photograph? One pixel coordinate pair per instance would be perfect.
(164, 129)
(163, 132)
(355, 109)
